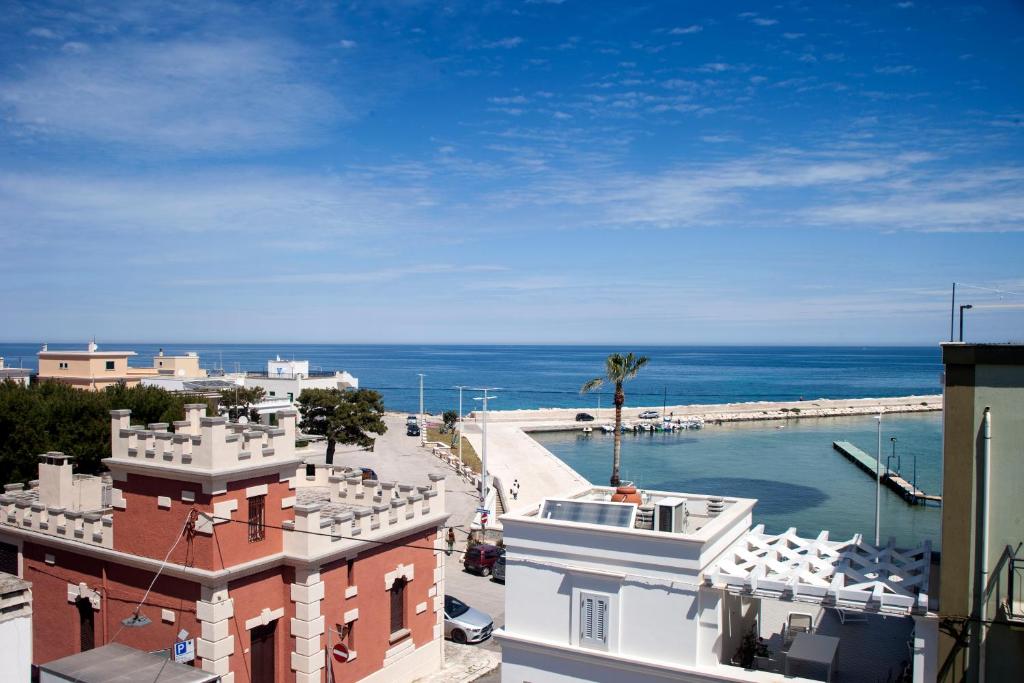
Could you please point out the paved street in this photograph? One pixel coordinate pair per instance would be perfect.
(397, 457)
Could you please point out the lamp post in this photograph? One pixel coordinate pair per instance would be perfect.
(892, 440)
(962, 308)
(483, 450)
(878, 482)
(460, 388)
(423, 436)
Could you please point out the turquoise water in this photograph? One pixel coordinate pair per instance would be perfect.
(797, 477)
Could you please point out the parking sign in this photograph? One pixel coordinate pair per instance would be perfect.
(185, 651)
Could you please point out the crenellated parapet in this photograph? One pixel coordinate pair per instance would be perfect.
(351, 510)
(60, 504)
(201, 443)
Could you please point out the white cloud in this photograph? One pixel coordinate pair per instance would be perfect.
(40, 32)
(74, 48)
(515, 99)
(506, 43)
(186, 96)
(347, 44)
(792, 36)
(686, 30)
(897, 70)
(761, 21)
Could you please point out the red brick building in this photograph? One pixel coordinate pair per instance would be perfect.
(268, 564)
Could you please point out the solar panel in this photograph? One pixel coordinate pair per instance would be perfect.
(589, 512)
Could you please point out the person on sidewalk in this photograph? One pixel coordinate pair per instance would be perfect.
(451, 540)
(515, 490)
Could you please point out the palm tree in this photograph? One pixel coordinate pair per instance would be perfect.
(618, 370)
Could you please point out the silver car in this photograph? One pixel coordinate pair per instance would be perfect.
(463, 624)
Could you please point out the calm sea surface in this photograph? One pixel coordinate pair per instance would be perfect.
(550, 376)
(798, 479)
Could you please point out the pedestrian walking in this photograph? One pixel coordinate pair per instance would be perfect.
(515, 490)
(451, 540)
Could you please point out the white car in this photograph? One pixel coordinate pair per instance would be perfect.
(649, 415)
(463, 624)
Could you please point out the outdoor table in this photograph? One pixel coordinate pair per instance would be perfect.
(809, 647)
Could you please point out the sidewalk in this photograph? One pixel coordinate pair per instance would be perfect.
(463, 663)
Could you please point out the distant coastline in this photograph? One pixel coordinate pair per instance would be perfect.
(557, 419)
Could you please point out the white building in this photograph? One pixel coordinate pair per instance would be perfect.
(285, 379)
(17, 375)
(672, 586)
(15, 628)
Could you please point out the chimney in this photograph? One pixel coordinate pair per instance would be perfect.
(55, 480)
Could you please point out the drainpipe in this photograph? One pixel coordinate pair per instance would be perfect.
(986, 453)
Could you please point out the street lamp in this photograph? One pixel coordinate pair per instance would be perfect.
(968, 307)
(483, 453)
(423, 435)
(460, 388)
(878, 482)
(892, 440)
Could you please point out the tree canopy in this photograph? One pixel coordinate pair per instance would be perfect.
(52, 416)
(239, 401)
(342, 416)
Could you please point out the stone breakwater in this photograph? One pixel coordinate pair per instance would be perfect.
(564, 418)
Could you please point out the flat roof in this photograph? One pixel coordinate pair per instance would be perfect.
(116, 663)
(959, 353)
(87, 354)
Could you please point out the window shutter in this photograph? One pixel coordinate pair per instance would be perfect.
(593, 620)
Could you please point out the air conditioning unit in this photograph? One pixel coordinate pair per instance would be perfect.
(670, 515)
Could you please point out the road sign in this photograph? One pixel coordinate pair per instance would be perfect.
(340, 652)
(483, 519)
(482, 511)
(185, 651)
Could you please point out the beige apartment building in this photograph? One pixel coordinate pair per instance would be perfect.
(95, 370)
(982, 569)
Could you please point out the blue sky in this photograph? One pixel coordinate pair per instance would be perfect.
(535, 171)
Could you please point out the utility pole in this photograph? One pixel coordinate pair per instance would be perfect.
(460, 388)
(423, 426)
(483, 429)
(952, 313)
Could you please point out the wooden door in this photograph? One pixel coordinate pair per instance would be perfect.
(86, 625)
(261, 652)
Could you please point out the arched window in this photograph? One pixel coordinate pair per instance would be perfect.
(398, 606)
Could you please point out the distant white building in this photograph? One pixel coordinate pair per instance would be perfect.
(17, 375)
(667, 586)
(15, 628)
(285, 379)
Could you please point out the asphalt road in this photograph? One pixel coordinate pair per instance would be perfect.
(397, 457)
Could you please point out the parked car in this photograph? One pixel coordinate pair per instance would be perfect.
(584, 417)
(480, 559)
(412, 430)
(649, 415)
(463, 624)
(412, 420)
(499, 568)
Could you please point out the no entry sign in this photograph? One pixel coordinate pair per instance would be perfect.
(340, 653)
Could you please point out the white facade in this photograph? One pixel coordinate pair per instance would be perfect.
(15, 629)
(285, 379)
(592, 595)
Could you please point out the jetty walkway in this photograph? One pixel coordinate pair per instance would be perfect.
(890, 478)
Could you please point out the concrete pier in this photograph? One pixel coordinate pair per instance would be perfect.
(890, 478)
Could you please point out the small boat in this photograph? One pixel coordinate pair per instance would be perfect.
(588, 429)
(607, 428)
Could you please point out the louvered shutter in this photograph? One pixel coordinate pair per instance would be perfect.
(593, 620)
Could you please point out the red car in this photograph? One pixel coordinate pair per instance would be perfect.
(480, 559)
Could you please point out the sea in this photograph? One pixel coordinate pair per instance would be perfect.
(789, 466)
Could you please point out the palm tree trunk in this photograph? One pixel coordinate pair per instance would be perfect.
(330, 451)
(620, 398)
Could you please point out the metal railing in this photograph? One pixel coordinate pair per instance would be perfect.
(1015, 584)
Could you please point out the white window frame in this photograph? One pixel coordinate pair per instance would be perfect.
(594, 632)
